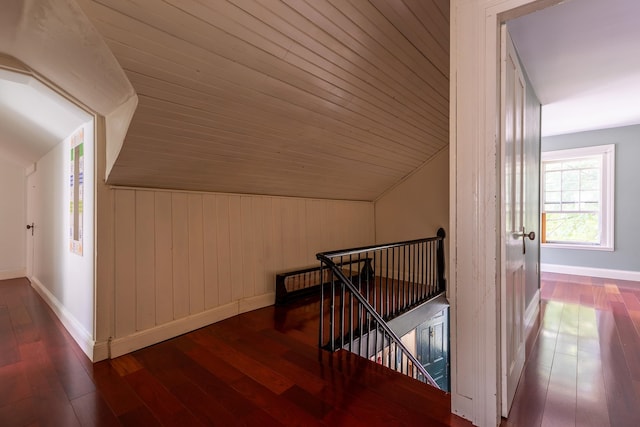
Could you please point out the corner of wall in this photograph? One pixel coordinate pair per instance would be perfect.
(116, 127)
(79, 334)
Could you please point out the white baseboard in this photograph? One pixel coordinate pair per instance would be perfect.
(100, 351)
(532, 310)
(604, 273)
(141, 339)
(254, 303)
(80, 335)
(13, 274)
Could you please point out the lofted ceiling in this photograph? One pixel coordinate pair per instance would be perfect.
(583, 59)
(317, 98)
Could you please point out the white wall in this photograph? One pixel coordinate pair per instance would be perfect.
(64, 279)
(12, 220)
(418, 206)
(187, 259)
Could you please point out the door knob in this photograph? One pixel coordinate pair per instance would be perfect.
(531, 235)
(31, 227)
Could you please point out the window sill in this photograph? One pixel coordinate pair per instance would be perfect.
(577, 246)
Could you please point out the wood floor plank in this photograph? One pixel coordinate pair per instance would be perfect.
(9, 352)
(629, 338)
(164, 405)
(92, 410)
(255, 369)
(621, 399)
(14, 385)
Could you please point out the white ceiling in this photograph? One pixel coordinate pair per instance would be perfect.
(583, 60)
(327, 99)
(33, 118)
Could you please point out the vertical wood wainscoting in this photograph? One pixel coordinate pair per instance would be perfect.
(184, 260)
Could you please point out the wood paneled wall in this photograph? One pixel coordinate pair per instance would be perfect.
(181, 254)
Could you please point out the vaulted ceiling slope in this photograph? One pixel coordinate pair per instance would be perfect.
(318, 98)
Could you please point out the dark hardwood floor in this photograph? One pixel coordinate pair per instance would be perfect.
(583, 366)
(261, 368)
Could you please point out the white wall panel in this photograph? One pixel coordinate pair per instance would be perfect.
(125, 259)
(145, 260)
(235, 247)
(210, 251)
(248, 239)
(223, 249)
(196, 255)
(163, 257)
(182, 255)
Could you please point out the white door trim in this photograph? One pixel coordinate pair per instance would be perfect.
(475, 205)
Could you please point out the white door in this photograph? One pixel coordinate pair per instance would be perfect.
(32, 198)
(513, 228)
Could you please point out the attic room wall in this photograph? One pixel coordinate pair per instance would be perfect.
(418, 206)
(12, 220)
(622, 262)
(187, 259)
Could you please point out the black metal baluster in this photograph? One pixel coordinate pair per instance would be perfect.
(404, 280)
(342, 305)
(386, 282)
(332, 315)
(321, 331)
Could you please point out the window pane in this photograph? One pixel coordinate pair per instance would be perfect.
(552, 181)
(572, 228)
(570, 207)
(553, 197)
(570, 180)
(551, 166)
(570, 196)
(592, 207)
(590, 196)
(582, 163)
(590, 179)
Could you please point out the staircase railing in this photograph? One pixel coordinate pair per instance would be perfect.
(394, 279)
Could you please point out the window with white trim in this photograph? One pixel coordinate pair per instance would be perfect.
(577, 197)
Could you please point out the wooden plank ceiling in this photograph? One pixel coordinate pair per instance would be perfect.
(319, 98)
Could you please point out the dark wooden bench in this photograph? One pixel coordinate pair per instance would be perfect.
(295, 284)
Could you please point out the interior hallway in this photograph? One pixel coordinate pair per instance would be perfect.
(583, 367)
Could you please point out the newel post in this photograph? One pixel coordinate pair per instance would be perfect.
(442, 283)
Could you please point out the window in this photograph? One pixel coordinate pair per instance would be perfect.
(577, 197)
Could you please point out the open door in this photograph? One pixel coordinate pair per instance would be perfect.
(515, 233)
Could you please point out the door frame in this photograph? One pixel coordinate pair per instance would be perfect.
(475, 205)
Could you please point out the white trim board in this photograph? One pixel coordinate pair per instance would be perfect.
(141, 339)
(71, 324)
(532, 310)
(13, 274)
(604, 273)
